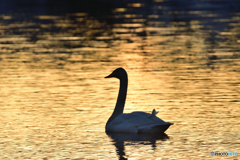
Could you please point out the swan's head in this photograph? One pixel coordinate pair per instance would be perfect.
(118, 73)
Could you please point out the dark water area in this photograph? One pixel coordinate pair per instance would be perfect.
(182, 58)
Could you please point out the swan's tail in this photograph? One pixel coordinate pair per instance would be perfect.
(161, 128)
(155, 128)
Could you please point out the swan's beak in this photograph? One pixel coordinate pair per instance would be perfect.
(110, 75)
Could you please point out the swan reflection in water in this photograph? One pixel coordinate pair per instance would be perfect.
(120, 140)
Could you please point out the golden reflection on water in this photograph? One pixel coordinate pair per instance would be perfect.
(55, 101)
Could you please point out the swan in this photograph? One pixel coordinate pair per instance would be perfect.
(135, 122)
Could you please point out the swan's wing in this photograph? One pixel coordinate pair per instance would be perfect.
(135, 121)
(141, 113)
(126, 123)
(139, 118)
(155, 118)
(152, 116)
(159, 126)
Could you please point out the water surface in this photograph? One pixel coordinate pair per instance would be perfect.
(182, 59)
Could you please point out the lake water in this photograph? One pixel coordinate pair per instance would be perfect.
(182, 59)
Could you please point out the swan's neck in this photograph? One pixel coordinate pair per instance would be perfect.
(121, 99)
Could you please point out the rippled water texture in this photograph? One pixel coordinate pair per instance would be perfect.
(182, 58)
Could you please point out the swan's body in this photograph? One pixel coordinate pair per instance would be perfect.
(135, 122)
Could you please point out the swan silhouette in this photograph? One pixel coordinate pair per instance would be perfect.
(135, 122)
